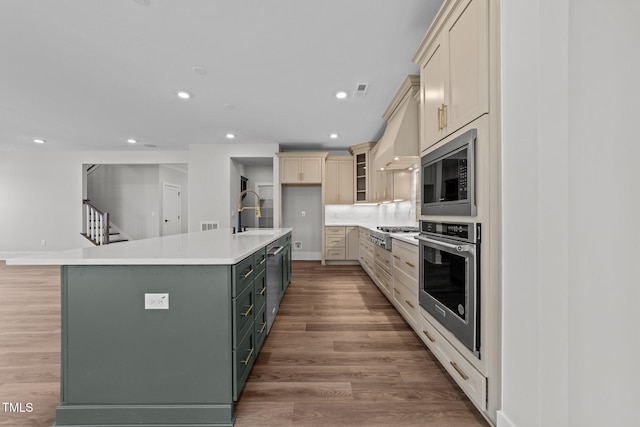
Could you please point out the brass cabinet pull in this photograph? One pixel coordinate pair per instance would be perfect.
(429, 337)
(246, 361)
(444, 116)
(396, 289)
(410, 305)
(246, 313)
(248, 274)
(262, 291)
(439, 118)
(460, 371)
(264, 325)
(396, 257)
(409, 264)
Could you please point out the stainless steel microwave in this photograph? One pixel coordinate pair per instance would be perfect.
(448, 178)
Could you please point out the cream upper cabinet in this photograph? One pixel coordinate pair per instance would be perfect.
(361, 168)
(339, 180)
(454, 72)
(301, 168)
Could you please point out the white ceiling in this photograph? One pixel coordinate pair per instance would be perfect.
(88, 74)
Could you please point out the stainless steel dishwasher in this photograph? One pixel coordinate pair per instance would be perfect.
(274, 281)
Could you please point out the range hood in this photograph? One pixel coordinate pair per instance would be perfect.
(399, 147)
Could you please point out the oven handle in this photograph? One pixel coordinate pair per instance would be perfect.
(458, 248)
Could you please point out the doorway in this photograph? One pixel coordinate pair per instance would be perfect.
(171, 208)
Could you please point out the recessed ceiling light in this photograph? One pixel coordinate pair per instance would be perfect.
(230, 136)
(381, 169)
(410, 169)
(341, 95)
(333, 136)
(184, 95)
(396, 158)
(39, 141)
(132, 141)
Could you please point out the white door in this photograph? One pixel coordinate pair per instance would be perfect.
(171, 205)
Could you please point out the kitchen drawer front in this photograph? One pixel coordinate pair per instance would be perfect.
(405, 258)
(406, 298)
(260, 288)
(368, 247)
(472, 382)
(363, 233)
(260, 260)
(334, 231)
(243, 357)
(385, 281)
(384, 258)
(260, 328)
(335, 253)
(243, 274)
(244, 310)
(335, 242)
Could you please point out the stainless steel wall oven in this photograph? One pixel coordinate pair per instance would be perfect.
(450, 278)
(448, 178)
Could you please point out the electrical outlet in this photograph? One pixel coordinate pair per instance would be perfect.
(297, 245)
(156, 301)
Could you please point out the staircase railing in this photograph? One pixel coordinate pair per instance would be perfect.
(96, 224)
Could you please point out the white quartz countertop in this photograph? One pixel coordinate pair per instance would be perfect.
(213, 247)
(406, 237)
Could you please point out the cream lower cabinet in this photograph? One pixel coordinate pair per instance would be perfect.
(405, 280)
(454, 71)
(341, 243)
(464, 373)
(366, 254)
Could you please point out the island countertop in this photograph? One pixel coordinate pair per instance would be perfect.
(212, 247)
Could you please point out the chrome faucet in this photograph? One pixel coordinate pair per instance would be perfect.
(241, 208)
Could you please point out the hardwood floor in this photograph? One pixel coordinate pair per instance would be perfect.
(338, 355)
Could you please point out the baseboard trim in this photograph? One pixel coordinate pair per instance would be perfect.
(503, 420)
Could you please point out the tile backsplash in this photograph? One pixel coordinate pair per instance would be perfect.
(399, 213)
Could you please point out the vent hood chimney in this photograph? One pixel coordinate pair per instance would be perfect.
(399, 147)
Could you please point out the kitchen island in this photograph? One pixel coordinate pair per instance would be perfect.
(161, 331)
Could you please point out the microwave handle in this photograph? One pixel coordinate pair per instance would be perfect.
(459, 248)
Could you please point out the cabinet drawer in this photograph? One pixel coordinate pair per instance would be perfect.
(334, 231)
(363, 233)
(243, 312)
(243, 357)
(472, 382)
(260, 328)
(243, 274)
(260, 260)
(384, 258)
(260, 288)
(405, 258)
(406, 298)
(335, 241)
(384, 279)
(335, 253)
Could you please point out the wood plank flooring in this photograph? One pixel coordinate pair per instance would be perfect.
(338, 355)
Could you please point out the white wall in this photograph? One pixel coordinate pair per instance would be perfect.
(209, 174)
(41, 195)
(570, 231)
(130, 193)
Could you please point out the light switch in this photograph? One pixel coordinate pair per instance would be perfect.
(156, 301)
